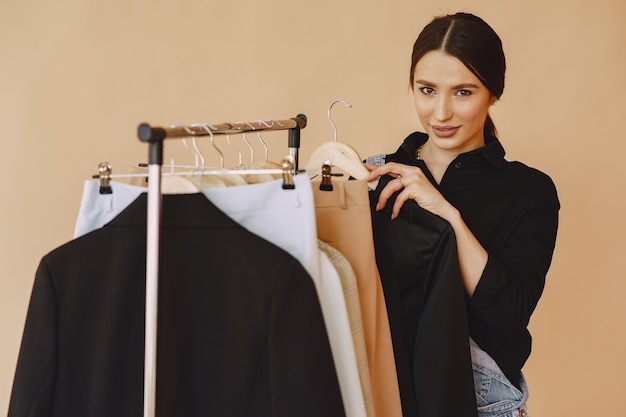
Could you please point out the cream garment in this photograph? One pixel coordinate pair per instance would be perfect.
(283, 217)
(344, 221)
(351, 295)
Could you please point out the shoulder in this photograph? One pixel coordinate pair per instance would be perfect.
(537, 186)
(533, 185)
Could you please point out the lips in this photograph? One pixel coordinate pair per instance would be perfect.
(445, 131)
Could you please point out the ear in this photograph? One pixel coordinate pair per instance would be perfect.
(493, 100)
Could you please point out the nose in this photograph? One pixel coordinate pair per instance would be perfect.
(443, 108)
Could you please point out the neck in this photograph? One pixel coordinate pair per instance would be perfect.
(436, 156)
(430, 152)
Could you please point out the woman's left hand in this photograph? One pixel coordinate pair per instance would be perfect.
(413, 185)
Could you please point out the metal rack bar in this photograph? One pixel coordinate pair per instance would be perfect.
(147, 133)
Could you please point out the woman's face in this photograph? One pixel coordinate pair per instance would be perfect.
(451, 102)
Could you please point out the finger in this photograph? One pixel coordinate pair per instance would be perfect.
(389, 189)
(370, 167)
(390, 168)
(402, 198)
(375, 172)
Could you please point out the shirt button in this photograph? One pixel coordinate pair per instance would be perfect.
(523, 413)
(458, 165)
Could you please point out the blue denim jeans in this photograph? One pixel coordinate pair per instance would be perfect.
(496, 396)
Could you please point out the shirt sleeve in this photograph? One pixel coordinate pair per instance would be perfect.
(514, 277)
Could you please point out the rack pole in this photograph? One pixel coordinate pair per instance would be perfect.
(294, 140)
(155, 160)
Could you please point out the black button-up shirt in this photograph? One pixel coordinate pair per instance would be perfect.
(512, 209)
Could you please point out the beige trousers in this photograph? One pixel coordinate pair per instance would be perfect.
(344, 221)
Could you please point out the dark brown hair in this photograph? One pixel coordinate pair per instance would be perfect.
(473, 42)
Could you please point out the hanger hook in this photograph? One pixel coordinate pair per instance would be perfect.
(245, 139)
(261, 123)
(239, 156)
(208, 127)
(331, 119)
(199, 158)
(276, 122)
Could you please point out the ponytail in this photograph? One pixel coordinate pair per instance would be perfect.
(490, 128)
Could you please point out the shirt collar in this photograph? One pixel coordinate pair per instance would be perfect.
(492, 152)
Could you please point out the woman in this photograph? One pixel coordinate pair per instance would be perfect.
(503, 217)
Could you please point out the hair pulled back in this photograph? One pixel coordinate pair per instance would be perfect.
(473, 42)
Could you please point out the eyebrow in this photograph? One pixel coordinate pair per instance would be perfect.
(456, 87)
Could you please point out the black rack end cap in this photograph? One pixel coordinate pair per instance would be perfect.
(147, 133)
(301, 120)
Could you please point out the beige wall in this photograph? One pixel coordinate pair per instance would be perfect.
(76, 78)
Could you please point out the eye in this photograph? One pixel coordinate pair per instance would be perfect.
(463, 93)
(428, 91)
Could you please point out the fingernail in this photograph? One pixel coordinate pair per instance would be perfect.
(378, 206)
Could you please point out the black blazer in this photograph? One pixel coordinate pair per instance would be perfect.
(417, 259)
(240, 330)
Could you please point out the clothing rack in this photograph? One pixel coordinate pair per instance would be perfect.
(155, 136)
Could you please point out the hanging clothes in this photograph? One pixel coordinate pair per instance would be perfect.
(239, 323)
(353, 306)
(285, 218)
(426, 307)
(344, 221)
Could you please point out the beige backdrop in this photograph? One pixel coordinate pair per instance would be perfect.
(78, 76)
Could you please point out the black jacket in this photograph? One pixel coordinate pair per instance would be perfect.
(240, 330)
(417, 259)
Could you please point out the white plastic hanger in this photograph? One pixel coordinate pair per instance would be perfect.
(176, 184)
(340, 155)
